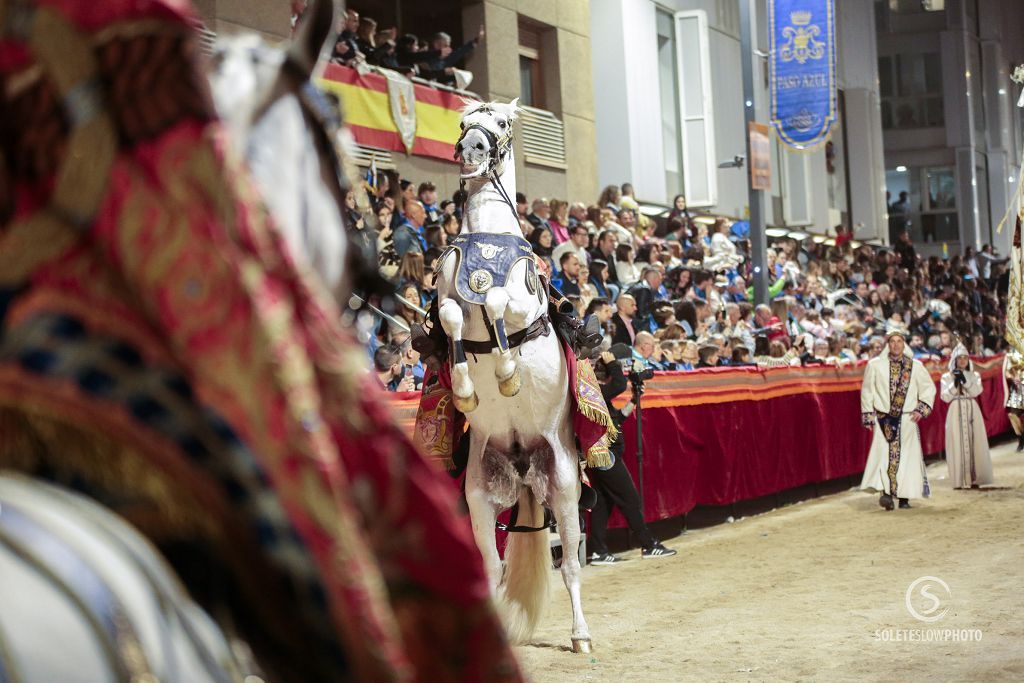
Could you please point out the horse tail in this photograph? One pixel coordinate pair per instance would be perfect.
(528, 562)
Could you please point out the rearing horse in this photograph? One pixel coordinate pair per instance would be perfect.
(510, 377)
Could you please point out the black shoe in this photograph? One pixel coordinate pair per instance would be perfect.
(1020, 443)
(885, 500)
(657, 550)
(904, 504)
(601, 559)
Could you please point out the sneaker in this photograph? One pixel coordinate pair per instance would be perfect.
(603, 559)
(657, 550)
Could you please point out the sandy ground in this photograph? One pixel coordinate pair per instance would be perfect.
(809, 592)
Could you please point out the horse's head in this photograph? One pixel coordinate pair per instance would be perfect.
(486, 141)
(286, 130)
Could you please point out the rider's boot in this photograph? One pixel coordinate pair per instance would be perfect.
(583, 339)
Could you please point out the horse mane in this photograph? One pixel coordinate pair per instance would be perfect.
(510, 109)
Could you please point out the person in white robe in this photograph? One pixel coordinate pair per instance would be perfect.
(897, 393)
(1013, 393)
(724, 255)
(967, 456)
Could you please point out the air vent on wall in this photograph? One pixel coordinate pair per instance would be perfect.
(543, 138)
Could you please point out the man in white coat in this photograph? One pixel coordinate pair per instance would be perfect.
(897, 393)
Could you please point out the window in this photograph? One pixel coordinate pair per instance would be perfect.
(528, 81)
(530, 92)
(916, 6)
(700, 166)
(911, 89)
(668, 85)
(923, 201)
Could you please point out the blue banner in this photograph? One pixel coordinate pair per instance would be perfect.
(802, 70)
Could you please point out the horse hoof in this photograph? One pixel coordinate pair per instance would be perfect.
(511, 385)
(467, 405)
(582, 646)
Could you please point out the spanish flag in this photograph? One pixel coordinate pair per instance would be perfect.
(368, 113)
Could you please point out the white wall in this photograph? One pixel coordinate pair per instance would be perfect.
(611, 107)
(626, 96)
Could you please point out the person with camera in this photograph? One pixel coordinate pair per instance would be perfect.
(614, 485)
(967, 456)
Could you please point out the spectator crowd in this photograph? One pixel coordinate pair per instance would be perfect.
(676, 289)
(361, 43)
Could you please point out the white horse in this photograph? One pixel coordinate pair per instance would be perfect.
(86, 599)
(83, 597)
(522, 445)
(279, 122)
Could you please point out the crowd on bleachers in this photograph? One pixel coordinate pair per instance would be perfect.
(362, 43)
(678, 289)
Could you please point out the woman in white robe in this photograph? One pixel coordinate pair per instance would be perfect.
(967, 456)
(896, 468)
(723, 254)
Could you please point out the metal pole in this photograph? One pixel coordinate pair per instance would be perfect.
(400, 324)
(758, 245)
(638, 390)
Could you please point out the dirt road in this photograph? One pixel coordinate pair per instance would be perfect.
(813, 591)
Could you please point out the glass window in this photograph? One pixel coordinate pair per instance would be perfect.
(916, 6)
(923, 202)
(885, 79)
(941, 183)
(911, 90)
(668, 85)
(527, 81)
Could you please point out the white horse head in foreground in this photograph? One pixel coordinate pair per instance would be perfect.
(510, 377)
(285, 130)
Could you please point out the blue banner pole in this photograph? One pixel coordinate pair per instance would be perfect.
(758, 242)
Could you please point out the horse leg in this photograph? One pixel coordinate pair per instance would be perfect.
(505, 369)
(450, 314)
(482, 511)
(563, 499)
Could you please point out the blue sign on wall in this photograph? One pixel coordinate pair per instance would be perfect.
(802, 70)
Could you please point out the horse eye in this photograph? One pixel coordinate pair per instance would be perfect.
(501, 123)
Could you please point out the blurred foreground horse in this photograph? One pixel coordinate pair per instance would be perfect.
(162, 352)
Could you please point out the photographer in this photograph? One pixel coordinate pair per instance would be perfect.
(613, 484)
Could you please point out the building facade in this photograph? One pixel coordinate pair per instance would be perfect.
(536, 50)
(952, 130)
(669, 109)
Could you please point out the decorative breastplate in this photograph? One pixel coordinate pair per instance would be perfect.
(485, 260)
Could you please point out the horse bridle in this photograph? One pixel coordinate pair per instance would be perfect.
(495, 156)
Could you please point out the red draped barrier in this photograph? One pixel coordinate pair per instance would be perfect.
(719, 436)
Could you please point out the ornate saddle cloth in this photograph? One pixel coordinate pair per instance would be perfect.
(485, 260)
(439, 425)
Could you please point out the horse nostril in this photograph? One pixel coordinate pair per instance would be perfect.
(479, 146)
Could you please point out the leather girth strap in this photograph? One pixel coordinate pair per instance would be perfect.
(541, 327)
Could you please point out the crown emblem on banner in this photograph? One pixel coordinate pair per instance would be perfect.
(800, 18)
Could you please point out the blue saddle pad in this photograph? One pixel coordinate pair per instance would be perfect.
(485, 261)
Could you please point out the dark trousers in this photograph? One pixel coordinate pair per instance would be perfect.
(615, 487)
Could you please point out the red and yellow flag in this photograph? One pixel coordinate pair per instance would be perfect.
(368, 113)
